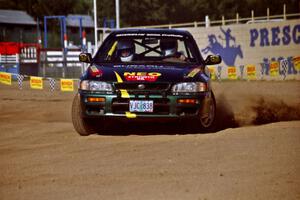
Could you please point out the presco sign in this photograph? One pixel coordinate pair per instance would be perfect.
(258, 44)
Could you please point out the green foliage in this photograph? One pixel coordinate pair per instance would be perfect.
(153, 12)
(41, 8)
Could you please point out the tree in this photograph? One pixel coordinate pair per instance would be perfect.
(153, 12)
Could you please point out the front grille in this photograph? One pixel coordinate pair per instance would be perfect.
(121, 105)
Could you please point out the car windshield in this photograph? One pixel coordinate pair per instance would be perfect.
(147, 49)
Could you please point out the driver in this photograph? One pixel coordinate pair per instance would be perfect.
(169, 48)
(126, 50)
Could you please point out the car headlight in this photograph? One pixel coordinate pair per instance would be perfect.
(190, 87)
(96, 86)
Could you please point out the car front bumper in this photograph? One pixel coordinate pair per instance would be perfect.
(165, 106)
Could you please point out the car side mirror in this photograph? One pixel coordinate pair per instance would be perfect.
(213, 60)
(85, 57)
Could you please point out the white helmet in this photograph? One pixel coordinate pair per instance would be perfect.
(168, 46)
(126, 50)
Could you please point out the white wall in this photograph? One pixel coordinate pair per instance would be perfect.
(260, 44)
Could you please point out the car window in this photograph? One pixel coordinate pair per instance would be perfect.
(140, 49)
(148, 50)
(181, 48)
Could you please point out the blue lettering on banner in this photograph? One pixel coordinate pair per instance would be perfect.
(296, 34)
(275, 36)
(253, 36)
(264, 40)
(229, 52)
(286, 35)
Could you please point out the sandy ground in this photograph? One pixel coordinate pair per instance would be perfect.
(254, 155)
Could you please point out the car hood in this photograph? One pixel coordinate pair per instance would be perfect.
(146, 73)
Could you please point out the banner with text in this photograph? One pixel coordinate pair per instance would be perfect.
(36, 82)
(5, 78)
(67, 85)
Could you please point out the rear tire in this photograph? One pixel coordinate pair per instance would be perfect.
(82, 125)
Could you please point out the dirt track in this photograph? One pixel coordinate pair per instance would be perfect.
(42, 157)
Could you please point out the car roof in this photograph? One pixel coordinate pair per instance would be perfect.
(152, 31)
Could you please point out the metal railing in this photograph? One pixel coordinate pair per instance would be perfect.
(207, 22)
(57, 63)
(223, 21)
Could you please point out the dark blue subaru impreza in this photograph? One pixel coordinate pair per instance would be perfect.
(145, 74)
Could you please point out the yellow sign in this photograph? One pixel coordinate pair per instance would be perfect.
(36, 82)
(5, 78)
(66, 85)
(274, 68)
(232, 73)
(296, 61)
(212, 72)
(251, 72)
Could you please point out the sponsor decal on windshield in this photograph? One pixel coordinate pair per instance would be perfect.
(148, 35)
(139, 66)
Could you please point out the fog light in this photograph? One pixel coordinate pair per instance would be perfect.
(187, 101)
(96, 99)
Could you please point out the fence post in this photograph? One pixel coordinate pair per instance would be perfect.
(43, 61)
(252, 16)
(268, 14)
(284, 11)
(207, 22)
(45, 32)
(195, 24)
(64, 62)
(223, 20)
(237, 18)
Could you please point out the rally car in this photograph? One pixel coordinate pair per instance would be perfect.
(145, 74)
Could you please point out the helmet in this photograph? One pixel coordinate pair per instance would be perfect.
(168, 46)
(126, 50)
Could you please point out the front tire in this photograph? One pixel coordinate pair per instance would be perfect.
(206, 119)
(82, 125)
(207, 115)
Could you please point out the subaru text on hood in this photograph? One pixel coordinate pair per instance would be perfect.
(145, 74)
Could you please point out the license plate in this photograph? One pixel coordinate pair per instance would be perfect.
(140, 106)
